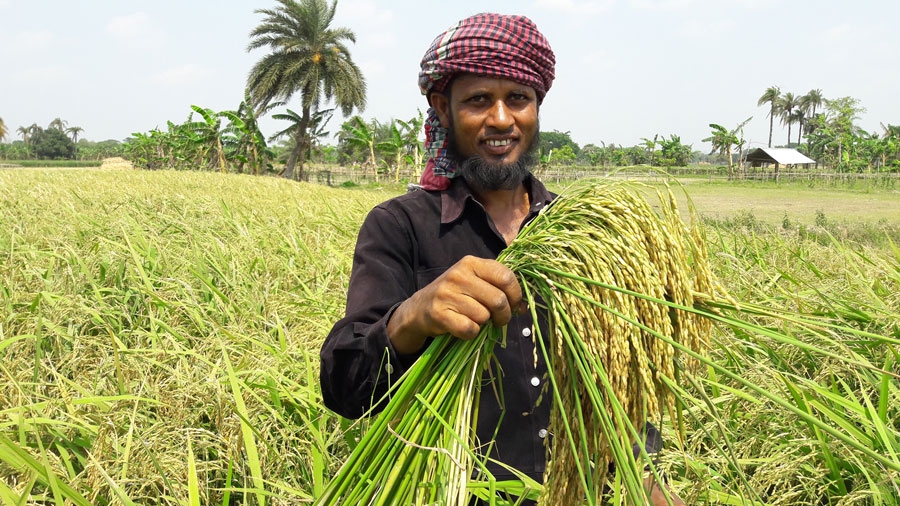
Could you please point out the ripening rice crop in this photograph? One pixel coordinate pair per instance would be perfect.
(631, 303)
(159, 331)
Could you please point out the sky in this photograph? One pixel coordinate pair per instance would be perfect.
(626, 69)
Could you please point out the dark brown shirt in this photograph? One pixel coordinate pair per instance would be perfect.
(404, 244)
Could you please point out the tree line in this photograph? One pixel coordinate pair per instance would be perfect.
(832, 136)
(58, 141)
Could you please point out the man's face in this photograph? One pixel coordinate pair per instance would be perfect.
(493, 125)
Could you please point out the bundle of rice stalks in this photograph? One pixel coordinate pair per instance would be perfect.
(631, 303)
(611, 353)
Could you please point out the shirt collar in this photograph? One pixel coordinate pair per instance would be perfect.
(453, 199)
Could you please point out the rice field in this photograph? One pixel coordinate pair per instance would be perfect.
(159, 336)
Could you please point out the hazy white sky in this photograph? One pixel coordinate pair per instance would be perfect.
(626, 69)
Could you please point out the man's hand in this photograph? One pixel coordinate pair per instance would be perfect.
(657, 496)
(458, 302)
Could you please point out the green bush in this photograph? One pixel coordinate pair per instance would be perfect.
(52, 144)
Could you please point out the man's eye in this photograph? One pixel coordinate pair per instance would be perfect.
(477, 99)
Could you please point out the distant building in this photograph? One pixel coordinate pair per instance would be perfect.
(778, 156)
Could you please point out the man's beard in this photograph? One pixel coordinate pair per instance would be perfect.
(484, 175)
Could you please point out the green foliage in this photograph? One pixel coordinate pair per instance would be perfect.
(52, 144)
(89, 150)
(723, 139)
(554, 141)
(835, 139)
(16, 150)
(207, 144)
(672, 153)
(358, 133)
(564, 155)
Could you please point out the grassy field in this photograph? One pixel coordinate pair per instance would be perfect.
(159, 336)
(771, 202)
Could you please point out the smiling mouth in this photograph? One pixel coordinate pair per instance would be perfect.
(504, 142)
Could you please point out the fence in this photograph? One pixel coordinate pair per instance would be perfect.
(336, 175)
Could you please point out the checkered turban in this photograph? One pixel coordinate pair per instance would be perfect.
(493, 45)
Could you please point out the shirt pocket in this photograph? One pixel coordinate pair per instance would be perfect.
(425, 276)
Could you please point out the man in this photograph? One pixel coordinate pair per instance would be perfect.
(424, 262)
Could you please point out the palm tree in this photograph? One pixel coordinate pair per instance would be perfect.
(3, 130)
(772, 97)
(798, 117)
(74, 132)
(812, 100)
(307, 57)
(25, 132)
(786, 106)
(59, 124)
(299, 130)
(808, 104)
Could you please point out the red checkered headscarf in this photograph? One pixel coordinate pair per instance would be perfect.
(493, 45)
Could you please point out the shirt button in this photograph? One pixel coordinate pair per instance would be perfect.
(389, 368)
(542, 433)
(526, 332)
(535, 381)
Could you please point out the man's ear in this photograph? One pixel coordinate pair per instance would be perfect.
(441, 104)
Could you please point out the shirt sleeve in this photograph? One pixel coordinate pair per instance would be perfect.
(358, 362)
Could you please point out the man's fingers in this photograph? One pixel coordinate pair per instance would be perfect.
(461, 326)
(499, 276)
(522, 308)
(492, 299)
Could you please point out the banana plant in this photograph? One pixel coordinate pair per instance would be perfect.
(247, 142)
(412, 130)
(359, 133)
(723, 139)
(395, 146)
(210, 134)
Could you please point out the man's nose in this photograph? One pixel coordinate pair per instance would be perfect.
(499, 117)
